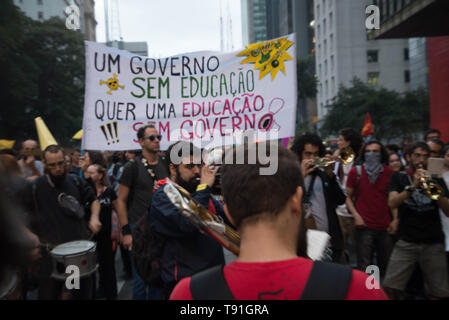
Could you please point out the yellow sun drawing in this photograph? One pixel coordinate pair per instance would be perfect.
(267, 56)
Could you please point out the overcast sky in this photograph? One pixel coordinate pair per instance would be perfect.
(173, 27)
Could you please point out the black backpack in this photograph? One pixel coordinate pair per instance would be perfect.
(327, 281)
(148, 246)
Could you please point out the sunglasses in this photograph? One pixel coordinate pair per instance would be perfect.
(152, 137)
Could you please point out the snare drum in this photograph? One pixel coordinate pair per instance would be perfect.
(79, 253)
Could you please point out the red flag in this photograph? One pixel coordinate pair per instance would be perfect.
(367, 126)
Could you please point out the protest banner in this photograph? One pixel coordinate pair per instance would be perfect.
(203, 97)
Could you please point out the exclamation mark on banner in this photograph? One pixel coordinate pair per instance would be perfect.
(109, 125)
(116, 130)
(104, 132)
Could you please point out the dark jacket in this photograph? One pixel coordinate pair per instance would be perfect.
(187, 250)
(334, 196)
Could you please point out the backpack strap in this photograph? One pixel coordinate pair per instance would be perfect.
(210, 284)
(327, 281)
(359, 175)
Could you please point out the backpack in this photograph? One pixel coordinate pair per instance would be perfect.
(146, 255)
(148, 245)
(327, 281)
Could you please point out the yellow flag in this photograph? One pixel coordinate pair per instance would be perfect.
(78, 135)
(6, 144)
(45, 136)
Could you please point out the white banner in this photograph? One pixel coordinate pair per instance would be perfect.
(205, 97)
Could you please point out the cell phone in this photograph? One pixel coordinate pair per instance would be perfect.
(435, 167)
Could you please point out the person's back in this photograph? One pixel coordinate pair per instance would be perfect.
(272, 263)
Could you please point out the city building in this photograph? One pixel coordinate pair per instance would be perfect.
(423, 19)
(268, 19)
(45, 9)
(343, 52)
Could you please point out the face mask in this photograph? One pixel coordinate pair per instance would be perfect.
(373, 166)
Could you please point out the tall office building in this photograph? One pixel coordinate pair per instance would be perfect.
(343, 52)
(267, 19)
(45, 9)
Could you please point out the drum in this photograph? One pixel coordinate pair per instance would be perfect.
(79, 253)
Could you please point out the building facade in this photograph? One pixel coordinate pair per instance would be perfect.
(268, 19)
(45, 9)
(343, 52)
(423, 19)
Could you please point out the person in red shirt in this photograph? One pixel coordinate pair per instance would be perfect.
(368, 184)
(267, 210)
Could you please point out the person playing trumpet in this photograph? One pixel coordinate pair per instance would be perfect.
(322, 192)
(420, 234)
(186, 250)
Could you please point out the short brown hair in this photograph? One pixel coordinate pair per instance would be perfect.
(248, 194)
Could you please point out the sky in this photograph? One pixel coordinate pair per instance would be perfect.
(172, 27)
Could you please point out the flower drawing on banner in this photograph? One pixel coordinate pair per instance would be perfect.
(112, 83)
(267, 56)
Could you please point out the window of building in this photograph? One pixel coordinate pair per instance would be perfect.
(373, 56)
(324, 7)
(317, 11)
(332, 63)
(39, 2)
(406, 54)
(331, 20)
(373, 78)
(40, 15)
(324, 28)
(326, 89)
(407, 76)
(331, 43)
(333, 85)
(318, 35)
(325, 48)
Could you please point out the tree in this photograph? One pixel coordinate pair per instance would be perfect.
(393, 114)
(43, 75)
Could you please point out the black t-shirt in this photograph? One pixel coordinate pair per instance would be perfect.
(419, 219)
(105, 199)
(51, 224)
(140, 183)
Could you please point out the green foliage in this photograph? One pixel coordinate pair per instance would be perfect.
(393, 114)
(42, 67)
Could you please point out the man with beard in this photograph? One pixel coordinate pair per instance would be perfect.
(55, 224)
(267, 209)
(420, 235)
(186, 250)
(134, 196)
(368, 185)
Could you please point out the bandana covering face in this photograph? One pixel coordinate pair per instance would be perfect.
(373, 166)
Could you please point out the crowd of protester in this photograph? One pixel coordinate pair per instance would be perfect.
(375, 209)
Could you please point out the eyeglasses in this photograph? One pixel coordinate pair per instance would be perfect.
(57, 164)
(395, 160)
(420, 155)
(152, 137)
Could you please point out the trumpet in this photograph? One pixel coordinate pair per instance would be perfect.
(346, 156)
(432, 189)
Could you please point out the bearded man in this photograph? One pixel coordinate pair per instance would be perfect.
(57, 203)
(187, 250)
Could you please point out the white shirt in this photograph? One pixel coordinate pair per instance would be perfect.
(341, 209)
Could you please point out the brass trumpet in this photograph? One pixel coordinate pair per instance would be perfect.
(432, 189)
(346, 156)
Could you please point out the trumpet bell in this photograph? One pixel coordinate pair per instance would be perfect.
(434, 191)
(347, 156)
